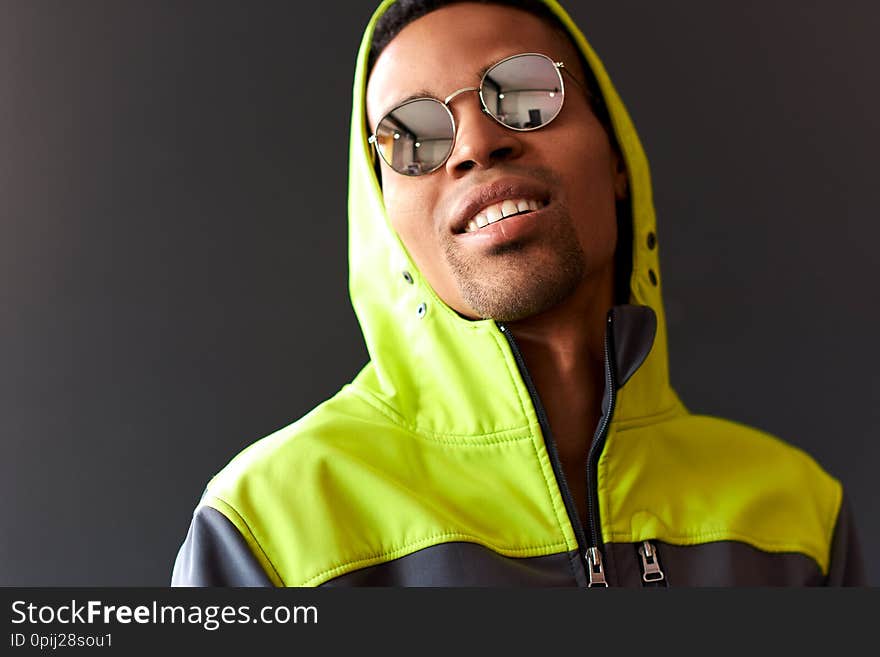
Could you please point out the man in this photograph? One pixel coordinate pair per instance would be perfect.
(515, 425)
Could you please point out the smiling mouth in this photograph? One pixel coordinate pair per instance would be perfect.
(502, 210)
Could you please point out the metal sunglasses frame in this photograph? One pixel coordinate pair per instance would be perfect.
(559, 67)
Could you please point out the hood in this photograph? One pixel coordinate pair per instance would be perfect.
(450, 377)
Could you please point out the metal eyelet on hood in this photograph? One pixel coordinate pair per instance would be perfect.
(422, 310)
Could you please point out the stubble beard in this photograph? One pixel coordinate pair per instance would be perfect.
(517, 285)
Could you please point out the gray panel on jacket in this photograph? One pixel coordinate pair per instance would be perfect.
(467, 564)
(722, 563)
(215, 554)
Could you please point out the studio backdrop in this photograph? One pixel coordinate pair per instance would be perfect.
(173, 244)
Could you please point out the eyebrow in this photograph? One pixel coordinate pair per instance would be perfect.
(424, 93)
(421, 93)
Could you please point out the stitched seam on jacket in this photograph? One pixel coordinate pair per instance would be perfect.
(640, 421)
(404, 550)
(552, 503)
(425, 434)
(252, 535)
(770, 548)
(522, 407)
(776, 546)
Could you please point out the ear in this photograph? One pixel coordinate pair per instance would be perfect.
(621, 177)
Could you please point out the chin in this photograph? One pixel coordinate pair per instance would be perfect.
(525, 294)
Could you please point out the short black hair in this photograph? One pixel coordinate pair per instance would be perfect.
(404, 12)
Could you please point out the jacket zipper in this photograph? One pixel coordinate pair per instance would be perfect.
(651, 571)
(592, 554)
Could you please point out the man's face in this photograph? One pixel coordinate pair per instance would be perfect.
(523, 265)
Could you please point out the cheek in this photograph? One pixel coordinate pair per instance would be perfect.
(590, 180)
(409, 210)
(402, 205)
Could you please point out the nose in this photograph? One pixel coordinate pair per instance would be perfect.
(480, 141)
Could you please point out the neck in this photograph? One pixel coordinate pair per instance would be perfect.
(564, 350)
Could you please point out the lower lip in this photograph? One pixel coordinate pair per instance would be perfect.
(513, 228)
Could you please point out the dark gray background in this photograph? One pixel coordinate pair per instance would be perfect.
(173, 278)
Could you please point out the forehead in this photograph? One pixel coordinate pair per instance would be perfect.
(449, 48)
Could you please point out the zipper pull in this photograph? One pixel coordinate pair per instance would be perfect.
(595, 568)
(650, 563)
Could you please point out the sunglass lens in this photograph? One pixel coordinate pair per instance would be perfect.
(416, 137)
(523, 92)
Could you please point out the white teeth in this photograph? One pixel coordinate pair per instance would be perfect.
(508, 208)
(501, 210)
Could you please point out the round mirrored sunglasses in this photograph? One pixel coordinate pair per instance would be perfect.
(522, 92)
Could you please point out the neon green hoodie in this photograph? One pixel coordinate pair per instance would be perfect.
(435, 465)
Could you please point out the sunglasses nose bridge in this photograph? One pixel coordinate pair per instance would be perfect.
(457, 93)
